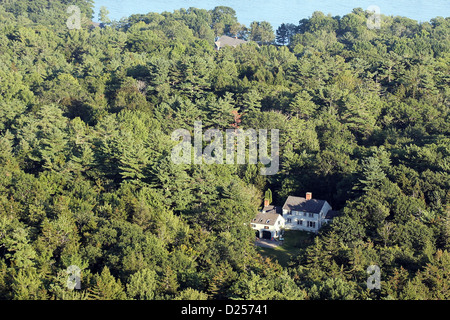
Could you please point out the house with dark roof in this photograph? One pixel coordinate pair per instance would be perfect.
(306, 214)
(297, 213)
(269, 222)
(228, 41)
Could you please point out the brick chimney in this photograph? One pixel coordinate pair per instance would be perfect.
(308, 195)
(266, 202)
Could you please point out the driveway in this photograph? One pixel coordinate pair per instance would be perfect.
(268, 243)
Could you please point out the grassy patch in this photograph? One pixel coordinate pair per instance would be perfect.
(293, 241)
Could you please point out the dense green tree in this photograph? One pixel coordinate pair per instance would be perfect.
(282, 35)
(142, 285)
(373, 174)
(191, 294)
(106, 287)
(261, 32)
(86, 177)
(27, 285)
(103, 15)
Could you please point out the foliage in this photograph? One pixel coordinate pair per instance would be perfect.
(86, 178)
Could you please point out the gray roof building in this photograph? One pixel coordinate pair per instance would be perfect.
(302, 204)
(268, 216)
(228, 41)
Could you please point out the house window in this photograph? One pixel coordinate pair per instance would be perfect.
(266, 227)
(311, 215)
(300, 222)
(288, 220)
(311, 224)
(304, 214)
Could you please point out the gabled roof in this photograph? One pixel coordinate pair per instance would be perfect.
(268, 216)
(301, 204)
(228, 41)
(272, 209)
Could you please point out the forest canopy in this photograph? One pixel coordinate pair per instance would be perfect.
(86, 117)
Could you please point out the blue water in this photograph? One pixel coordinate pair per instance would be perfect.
(281, 11)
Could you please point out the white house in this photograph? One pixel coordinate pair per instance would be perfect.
(306, 214)
(269, 222)
(297, 213)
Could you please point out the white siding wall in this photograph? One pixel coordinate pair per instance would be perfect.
(295, 215)
(293, 225)
(326, 207)
(275, 229)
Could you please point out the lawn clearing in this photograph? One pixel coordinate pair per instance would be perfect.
(293, 241)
